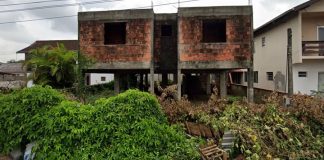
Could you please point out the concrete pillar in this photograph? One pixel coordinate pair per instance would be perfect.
(128, 81)
(152, 81)
(141, 81)
(117, 83)
(179, 81)
(250, 81)
(223, 87)
(146, 82)
(208, 85)
(164, 79)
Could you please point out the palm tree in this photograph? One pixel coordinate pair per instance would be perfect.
(54, 66)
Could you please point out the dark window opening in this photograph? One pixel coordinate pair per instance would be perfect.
(302, 74)
(166, 30)
(115, 33)
(245, 76)
(270, 76)
(256, 77)
(88, 80)
(214, 31)
(263, 41)
(237, 77)
(103, 79)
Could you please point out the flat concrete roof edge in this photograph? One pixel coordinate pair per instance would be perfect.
(215, 10)
(116, 14)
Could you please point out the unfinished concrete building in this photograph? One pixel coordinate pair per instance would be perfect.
(196, 46)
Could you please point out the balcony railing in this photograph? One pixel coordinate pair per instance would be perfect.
(313, 48)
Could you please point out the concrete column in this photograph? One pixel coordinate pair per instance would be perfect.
(151, 81)
(164, 79)
(117, 83)
(250, 81)
(208, 87)
(128, 81)
(141, 81)
(179, 81)
(223, 87)
(146, 81)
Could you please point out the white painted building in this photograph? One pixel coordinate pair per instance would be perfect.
(270, 57)
(98, 78)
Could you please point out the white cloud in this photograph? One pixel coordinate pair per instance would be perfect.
(16, 36)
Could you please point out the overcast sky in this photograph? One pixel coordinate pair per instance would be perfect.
(15, 36)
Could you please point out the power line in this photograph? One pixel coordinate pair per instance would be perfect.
(29, 20)
(58, 5)
(24, 3)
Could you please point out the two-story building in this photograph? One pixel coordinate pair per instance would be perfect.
(191, 45)
(270, 59)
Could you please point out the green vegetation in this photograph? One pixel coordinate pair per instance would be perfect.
(262, 131)
(128, 126)
(53, 66)
(21, 114)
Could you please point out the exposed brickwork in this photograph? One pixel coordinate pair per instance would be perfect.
(237, 47)
(136, 49)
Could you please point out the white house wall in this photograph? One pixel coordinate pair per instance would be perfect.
(95, 78)
(273, 56)
(304, 85)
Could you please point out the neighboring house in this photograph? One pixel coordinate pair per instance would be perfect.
(191, 45)
(12, 75)
(70, 45)
(270, 57)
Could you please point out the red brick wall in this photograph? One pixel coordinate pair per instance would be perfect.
(136, 49)
(237, 47)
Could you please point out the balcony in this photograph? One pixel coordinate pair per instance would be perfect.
(313, 49)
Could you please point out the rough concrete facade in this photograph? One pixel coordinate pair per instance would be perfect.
(170, 44)
(236, 52)
(137, 48)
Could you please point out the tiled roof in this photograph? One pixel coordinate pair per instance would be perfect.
(69, 44)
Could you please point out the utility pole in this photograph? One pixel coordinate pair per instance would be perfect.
(178, 3)
(289, 63)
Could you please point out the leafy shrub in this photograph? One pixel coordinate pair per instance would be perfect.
(128, 126)
(21, 113)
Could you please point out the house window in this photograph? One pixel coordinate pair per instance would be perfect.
(256, 77)
(166, 30)
(103, 79)
(115, 33)
(320, 32)
(270, 76)
(302, 74)
(263, 41)
(214, 31)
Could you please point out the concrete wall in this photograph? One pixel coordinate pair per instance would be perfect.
(95, 78)
(234, 53)
(273, 56)
(259, 93)
(137, 50)
(304, 85)
(165, 47)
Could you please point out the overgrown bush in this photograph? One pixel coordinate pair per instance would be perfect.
(21, 115)
(128, 126)
(262, 131)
